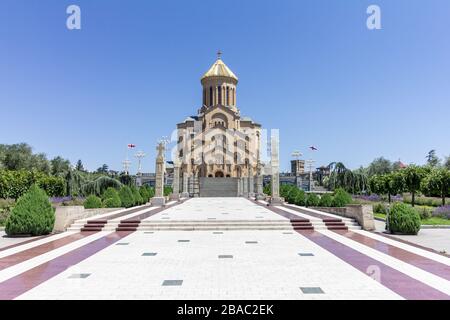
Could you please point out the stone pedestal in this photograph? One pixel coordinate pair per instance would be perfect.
(158, 201)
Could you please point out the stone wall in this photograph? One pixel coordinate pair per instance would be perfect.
(360, 212)
(66, 215)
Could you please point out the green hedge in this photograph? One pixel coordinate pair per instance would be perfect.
(138, 200)
(111, 198)
(300, 199)
(403, 219)
(33, 214)
(14, 184)
(341, 198)
(126, 197)
(92, 202)
(326, 200)
(312, 200)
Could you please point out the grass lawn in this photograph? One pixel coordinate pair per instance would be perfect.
(430, 221)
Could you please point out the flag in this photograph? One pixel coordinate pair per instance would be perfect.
(131, 146)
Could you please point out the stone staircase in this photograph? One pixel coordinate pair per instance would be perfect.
(218, 187)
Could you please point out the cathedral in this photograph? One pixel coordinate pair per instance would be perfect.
(218, 142)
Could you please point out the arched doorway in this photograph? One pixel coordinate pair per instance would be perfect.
(219, 174)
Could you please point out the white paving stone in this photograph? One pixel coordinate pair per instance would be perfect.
(270, 269)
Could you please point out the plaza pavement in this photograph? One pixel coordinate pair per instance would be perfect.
(306, 255)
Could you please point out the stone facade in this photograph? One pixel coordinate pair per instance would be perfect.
(218, 142)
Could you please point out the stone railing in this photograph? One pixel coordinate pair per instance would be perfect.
(66, 215)
(362, 213)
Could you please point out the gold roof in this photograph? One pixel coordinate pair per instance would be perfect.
(219, 69)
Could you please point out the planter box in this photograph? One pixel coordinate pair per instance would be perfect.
(65, 216)
(363, 213)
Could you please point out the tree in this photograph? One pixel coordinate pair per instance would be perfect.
(103, 169)
(432, 159)
(380, 166)
(438, 181)
(99, 185)
(447, 163)
(59, 166)
(390, 184)
(20, 157)
(413, 176)
(79, 166)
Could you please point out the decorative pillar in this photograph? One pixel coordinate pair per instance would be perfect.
(176, 181)
(185, 193)
(245, 187)
(275, 166)
(259, 182)
(158, 199)
(251, 183)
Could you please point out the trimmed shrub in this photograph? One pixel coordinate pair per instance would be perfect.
(137, 196)
(126, 197)
(312, 200)
(112, 202)
(110, 193)
(292, 195)
(341, 198)
(93, 202)
(167, 190)
(326, 200)
(403, 219)
(145, 193)
(285, 189)
(33, 214)
(300, 199)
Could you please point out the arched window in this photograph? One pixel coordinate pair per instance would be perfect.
(228, 96)
(219, 89)
(210, 96)
(204, 96)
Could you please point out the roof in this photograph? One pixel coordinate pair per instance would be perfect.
(219, 69)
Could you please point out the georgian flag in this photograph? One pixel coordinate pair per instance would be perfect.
(131, 146)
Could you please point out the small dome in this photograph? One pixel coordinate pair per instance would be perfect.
(219, 69)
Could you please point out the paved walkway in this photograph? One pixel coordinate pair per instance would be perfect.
(324, 263)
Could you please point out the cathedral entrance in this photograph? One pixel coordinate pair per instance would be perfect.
(219, 174)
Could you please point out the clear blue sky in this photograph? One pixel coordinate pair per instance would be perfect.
(310, 68)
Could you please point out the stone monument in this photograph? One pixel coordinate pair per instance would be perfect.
(176, 181)
(185, 193)
(159, 199)
(259, 182)
(275, 166)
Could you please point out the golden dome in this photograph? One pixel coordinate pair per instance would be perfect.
(219, 69)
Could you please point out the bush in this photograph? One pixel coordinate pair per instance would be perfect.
(147, 193)
(424, 201)
(285, 189)
(326, 200)
(33, 214)
(292, 195)
(403, 219)
(110, 193)
(126, 197)
(300, 199)
(137, 196)
(424, 212)
(380, 208)
(112, 202)
(92, 202)
(167, 190)
(111, 198)
(14, 184)
(312, 200)
(341, 198)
